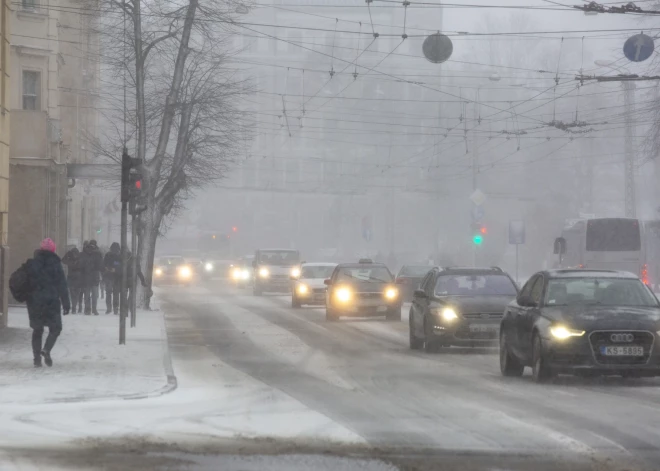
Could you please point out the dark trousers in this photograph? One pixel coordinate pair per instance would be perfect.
(76, 297)
(91, 298)
(112, 289)
(37, 337)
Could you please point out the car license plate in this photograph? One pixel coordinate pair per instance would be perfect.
(483, 328)
(629, 351)
(319, 297)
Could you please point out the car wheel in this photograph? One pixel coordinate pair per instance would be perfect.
(509, 364)
(330, 316)
(295, 302)
(394, 315)
(415, 343)
(540, 370)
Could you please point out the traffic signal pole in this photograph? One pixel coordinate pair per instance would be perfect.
(133, 264)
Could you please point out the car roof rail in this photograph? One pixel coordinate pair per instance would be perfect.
(497, 269)
(365, 260)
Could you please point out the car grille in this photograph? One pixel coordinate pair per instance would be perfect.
(318, 291)
(642, 338)
(483, 315)
(376, 295)
(280, 277)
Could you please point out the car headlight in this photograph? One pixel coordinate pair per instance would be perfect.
(303, 289)
(158, 271)
(560, 332)
(245, 275)
(263, 272)
(236, 273)
(391, 293)
(343, 295)
(449, 314)
(208, 266)
(185, 272)
(295, 272)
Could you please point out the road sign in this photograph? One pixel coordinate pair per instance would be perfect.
(516, 232)
(639, 47)
(437, 48)
(478, 197)
(477, 213)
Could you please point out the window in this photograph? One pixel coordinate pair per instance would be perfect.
(598, 291)
(30, 4)
(31, 90)
(613, 235)
(537, 290)
(527, 289)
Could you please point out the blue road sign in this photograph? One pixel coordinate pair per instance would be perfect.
(477, 213)
(639, 47)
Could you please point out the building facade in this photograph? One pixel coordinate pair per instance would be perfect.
(4, 157)
(54, 62)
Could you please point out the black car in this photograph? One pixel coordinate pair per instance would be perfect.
(459, 306)
(591, 322)
(362, 289)
(409, 278)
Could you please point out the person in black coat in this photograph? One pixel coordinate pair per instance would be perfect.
(48, 296)
(74, 277)
(112, 277)
(91, 261)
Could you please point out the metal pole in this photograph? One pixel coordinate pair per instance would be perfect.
(517, 245)
(629, 174)
(475, 167)
(133, 265)
(123, 304)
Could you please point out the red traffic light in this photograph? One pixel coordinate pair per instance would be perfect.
(234, 229)
(483, 230)
(138, 184)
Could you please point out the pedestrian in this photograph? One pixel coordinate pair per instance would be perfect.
(47, 300)
(75, 278)
(92, 265)
(112, 273)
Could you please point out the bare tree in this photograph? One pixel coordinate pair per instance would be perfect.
(175, 99)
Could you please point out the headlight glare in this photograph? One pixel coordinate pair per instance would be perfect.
(295, 272)
(236, 273)
(245, 275)
(561, 332)
(343, 295)
(449, 314)
(208, 266)
(303, 289)
(158, 271)
(263, 272)
(391, 293)
(185, 272)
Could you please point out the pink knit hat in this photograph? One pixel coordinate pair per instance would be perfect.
(48, 244)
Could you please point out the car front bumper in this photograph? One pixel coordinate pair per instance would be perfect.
(312, 297)
(273, 285)
(582, 355)
(358, 309)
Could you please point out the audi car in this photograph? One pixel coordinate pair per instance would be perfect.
(459, 306)
(581, 322)
(309, 288)
(362, 289)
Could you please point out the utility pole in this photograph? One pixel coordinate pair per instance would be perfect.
(629, 102)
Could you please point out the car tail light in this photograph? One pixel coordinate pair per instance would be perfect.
(645, 274)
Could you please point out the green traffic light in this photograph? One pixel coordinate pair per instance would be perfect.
(477, 239)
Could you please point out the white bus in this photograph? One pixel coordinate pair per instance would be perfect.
(612, 244)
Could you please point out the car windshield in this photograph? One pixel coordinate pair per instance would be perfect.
(316, 271)
(279, 257)
(475, 285)
(602, 291)
(170, 261)
(367, 274)
(414, 270)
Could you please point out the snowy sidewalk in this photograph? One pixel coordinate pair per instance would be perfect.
(88, 362)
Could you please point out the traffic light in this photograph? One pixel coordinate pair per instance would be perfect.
(479, 232)
(128, 164)
(234, 229)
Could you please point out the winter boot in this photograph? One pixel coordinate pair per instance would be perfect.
(95, 312)
(108, 311)
(47, 359)
(73, 310)
(37, 362)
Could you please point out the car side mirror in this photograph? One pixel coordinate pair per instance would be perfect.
(526, 301)
(327, 282)
(420, 293)
(560, 246)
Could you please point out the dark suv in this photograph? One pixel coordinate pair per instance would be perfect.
(459, 306)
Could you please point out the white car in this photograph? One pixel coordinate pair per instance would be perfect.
(310, 288)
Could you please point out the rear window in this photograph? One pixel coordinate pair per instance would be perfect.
(613, 235)
(417, 271)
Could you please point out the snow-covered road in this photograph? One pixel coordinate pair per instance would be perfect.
(255, 368)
